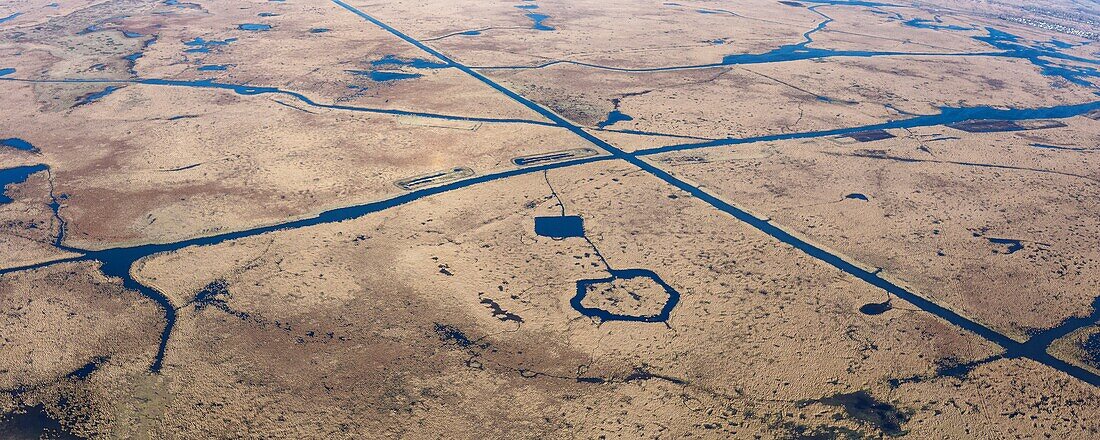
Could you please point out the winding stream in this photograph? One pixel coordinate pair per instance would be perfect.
(118, 262)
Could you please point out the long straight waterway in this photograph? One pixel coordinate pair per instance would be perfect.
(1012, 348)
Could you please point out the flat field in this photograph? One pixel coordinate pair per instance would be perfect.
(549, 219)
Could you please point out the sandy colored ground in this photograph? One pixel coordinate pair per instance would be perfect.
(635, 34)
(128, 149)
(933, 205)
(310, 299)
(56, 49)
(29, 226)
(61, 321)
(447, 316)
(800, 96)
(1080, 348)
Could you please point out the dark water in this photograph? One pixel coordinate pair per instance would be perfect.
(765, 226)
(254, 27)
(382, 76)
(528, 6)
(125, 256)
(1040, 341)
(212, 293)
(129, 34)
(32, 423)
(856, 196)
(248, 90)
(10, 17)
(559, 226)
(1061, 44)
(537, 20)
(96, 96)
(499, 312)
(132, 58)
(947, 115)
(862, 406)
(987, 126)
(318, 30)
(90, 29)
(869, 135)
(875, 308)
(267, 14)
(18, 144)
(789, 52)
(1012, 245)
(85, 371)
(7, 71)
(215, 295)
(451, 334)
(201, 45)
(116, 262)
(1016, 349)
(936, 24)
(960, 370)
(416, 63)
(9, 176)
(1043, 57)
(1047, 57)
(625, 274)
(947, 367)
(213, 67)
(116, 259)
(55, 206)
(797, 52)
(613, 117)
(1091, 347)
